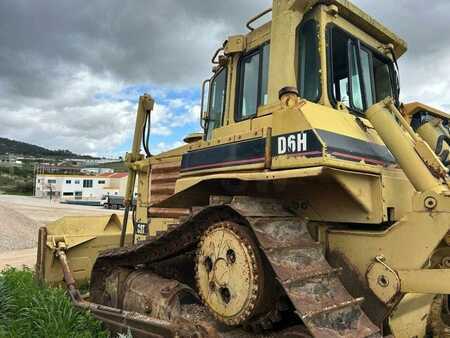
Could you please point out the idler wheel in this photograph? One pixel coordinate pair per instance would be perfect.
(230, 273)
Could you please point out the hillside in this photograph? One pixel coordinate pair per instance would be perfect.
(116, 166)
(8, 146)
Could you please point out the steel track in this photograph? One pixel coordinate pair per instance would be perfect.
(314, 288)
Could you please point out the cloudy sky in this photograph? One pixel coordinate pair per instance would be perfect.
(71, 71)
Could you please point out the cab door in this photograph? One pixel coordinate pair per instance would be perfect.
(247, 92)
(216, 104)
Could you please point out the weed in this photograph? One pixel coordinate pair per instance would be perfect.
(28, 309)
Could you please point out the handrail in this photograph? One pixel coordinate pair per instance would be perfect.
(202, 103)
(260, 15)
(213, 60)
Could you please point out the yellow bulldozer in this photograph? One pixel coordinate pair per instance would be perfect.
(314, 204)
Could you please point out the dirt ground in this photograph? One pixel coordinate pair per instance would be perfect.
(20, 219)
(18, 258)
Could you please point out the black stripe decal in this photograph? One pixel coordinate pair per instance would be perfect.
(253, 151)
(241, 153)
(350, 148)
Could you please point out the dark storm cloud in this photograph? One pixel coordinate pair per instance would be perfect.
(160, 41)
(424, 24)
(56, 55)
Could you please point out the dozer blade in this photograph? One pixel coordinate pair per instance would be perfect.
(84, 237)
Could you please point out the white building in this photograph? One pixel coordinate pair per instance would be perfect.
(80, 187)
(97, 171)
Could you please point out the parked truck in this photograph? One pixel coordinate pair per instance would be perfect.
(113, 202)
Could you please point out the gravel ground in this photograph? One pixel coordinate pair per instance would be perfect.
(22, 216)
(18, 258)
(16, 230)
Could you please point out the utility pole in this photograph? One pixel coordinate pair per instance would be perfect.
(11, 164)
(51, 190)
(34, 179)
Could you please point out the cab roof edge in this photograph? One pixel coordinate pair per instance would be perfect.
(359, 18)
(367, 23)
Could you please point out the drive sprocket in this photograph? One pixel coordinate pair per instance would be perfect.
(230, 273)
(440, 317)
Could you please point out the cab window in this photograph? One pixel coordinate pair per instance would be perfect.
(253, 82)
(359, 76)
(216, 102)
(356, 95)
(309, 61)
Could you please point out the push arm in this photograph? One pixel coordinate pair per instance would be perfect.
(145, 107)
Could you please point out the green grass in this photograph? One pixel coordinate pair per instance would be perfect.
(28, 309)
(17, 181)
(15, 193)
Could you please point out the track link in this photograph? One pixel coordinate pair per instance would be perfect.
(298, 262)
(314, 288)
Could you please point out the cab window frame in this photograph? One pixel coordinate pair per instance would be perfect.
(208, 133)
(352, 40)
(318, 60)
(259, 50)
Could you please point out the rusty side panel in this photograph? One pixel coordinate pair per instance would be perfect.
(160, 298)
(163, 177)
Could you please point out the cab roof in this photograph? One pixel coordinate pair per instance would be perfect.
(368, 24)
(354, 15)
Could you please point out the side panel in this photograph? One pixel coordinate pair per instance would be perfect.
(321, 194)
(246, 152)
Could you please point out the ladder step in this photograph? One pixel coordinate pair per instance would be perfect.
(331, 308)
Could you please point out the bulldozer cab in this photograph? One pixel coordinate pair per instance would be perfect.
(333, 55)
(336, 61)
